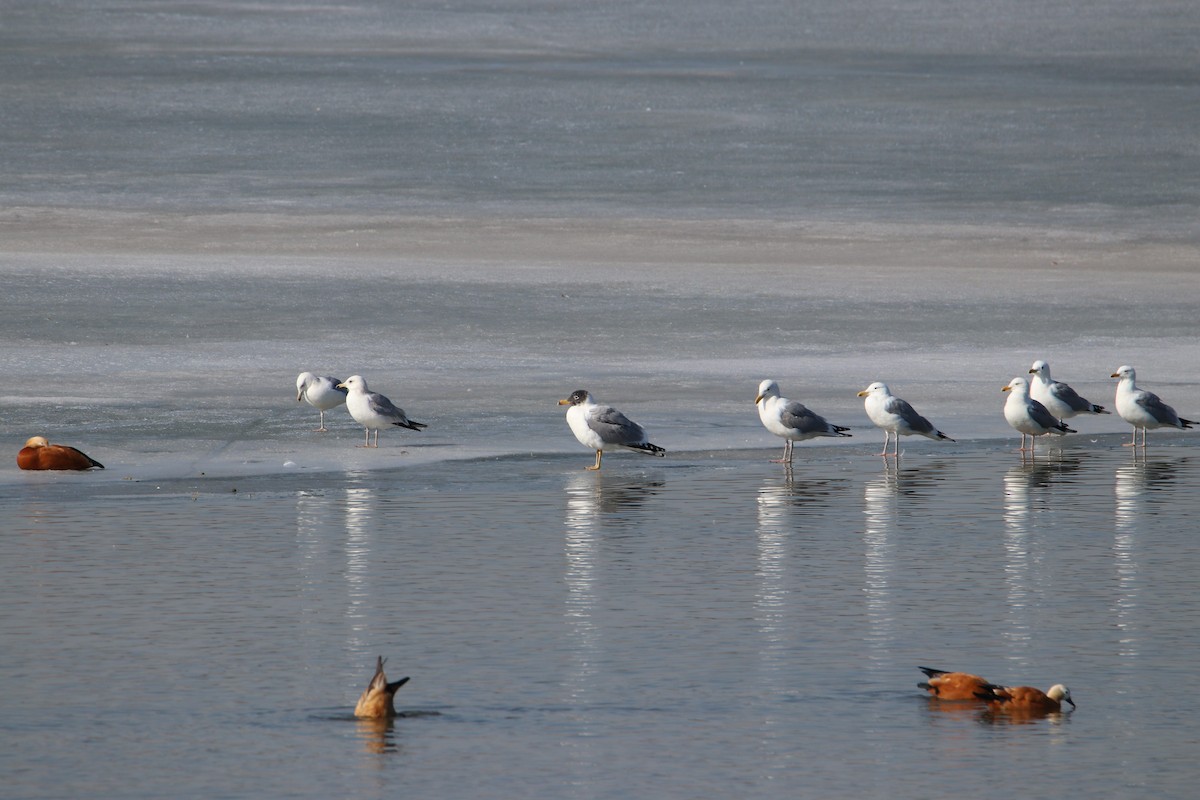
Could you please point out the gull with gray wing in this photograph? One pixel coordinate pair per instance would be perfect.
(321, 392)
(790, 419)
(1143, 409)
(603, 427)
(374, 411)
(896, 416)
(1059, 399)
(1028, 416)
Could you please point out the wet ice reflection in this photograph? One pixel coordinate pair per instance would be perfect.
(880, 507)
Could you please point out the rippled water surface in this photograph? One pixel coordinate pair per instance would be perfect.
(712, 625)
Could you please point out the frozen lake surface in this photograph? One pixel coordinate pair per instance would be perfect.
(482, 207)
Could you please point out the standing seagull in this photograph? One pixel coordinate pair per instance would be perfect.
(322, 393)
(790, 419)
(1143, 409)
(373, 410)
(1059, 399)
(376, 701)
(601, 427)
(896, 416)
(1029, 416)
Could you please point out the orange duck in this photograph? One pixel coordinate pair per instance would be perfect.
(40, 454)
(1026, 699)
(953, 685)
(376, 700)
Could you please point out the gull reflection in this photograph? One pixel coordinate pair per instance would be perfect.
(595, 503)
(316, 516)
(770, 602)
(359, 507)
(1133, 485)
(881, 499)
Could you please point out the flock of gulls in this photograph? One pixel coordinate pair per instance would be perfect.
(1034, 408)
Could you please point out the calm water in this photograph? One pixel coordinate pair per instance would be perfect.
(706, 626)
(484, 206)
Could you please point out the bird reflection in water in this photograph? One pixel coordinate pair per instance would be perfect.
(378, 735)
(600, 497)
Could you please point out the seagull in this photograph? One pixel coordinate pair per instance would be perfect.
(896, 416)
(1059, 399)
(38, 453)
(790, 419)
(373, 410)
(601, 427)
(1027, 415)
(1143, 409)
(322, 393)
(376, 701)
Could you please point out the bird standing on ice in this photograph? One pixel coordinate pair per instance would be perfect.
(1143, 409)
(1059, 399)
(603, 427)
(1028, 416)
(373, 411)
(40, 454)
(321, 392)
(790, 419)
(896, 416)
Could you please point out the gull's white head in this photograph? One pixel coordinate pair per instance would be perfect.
(1018, 386)
(302, 381)
(1061, 694)
(875, 388)
(354, 382)
(1040, 368)
(767, 388)
(1124, 373)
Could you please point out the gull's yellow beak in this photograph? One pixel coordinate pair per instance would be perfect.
(863, 393)
(1006, 389)
(564, 402)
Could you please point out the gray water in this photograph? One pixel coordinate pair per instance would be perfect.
(482, 207)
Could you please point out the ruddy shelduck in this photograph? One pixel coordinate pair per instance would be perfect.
(377, 699)
(40, 454)
(1026, 699)
(952, 685)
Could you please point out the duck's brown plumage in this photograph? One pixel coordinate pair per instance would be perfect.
(1026, 699)
(40, 454)
(376, 699)
(952, 685)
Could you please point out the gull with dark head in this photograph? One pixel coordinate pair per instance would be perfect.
(895, 416)
(374, 411)
(603, 427)
(1143, 409)
(791, 419)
